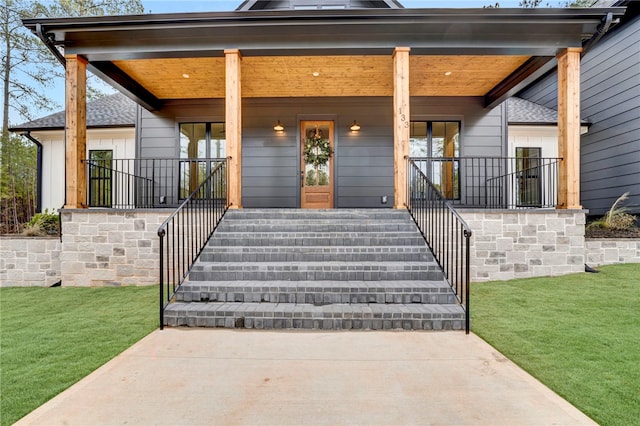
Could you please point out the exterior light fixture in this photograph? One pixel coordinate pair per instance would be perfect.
(355, 126)
(185, 75)
(448, 73)
(278, 127)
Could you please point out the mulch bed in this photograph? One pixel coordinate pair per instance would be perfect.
(611, 233)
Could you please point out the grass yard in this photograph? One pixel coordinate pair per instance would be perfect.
(579, 334)
(53, 337)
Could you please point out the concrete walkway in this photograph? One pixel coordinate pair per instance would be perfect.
(225, 377)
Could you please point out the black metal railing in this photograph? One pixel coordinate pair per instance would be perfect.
(144, 182)
(185, 233)
(494, 182)
(446, 233)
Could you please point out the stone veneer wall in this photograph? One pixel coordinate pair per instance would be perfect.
(103, 247)
(110, 248)
(29, 261)
(608, 251)
(509, 244)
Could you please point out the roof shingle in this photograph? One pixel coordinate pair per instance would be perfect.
(110, 111)
(522, 111)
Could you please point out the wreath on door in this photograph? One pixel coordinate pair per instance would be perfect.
(317, 152)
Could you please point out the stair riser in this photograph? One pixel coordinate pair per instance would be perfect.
(317, 215)
(262, 323)
(315, 227)
(261, 240)
(322, 221)
(317, 299)
(316, 257)
(243, 275)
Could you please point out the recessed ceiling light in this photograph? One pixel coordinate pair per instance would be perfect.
(185, 75)
(315, 74)
(448, 73)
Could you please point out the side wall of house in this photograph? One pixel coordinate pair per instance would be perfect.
(610, 157)
(363, 160)
(121, 141)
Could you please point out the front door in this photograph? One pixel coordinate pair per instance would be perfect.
(316, 176)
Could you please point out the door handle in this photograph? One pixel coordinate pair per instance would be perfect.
(301, 178)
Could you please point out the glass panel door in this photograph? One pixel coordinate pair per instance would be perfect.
(438, 142)
(200, 145)
(100, 178)
(316, 176)
(529, 192)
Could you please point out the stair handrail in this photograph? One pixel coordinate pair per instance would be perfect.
(444, 230)
(185, 233)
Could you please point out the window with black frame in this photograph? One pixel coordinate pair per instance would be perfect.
(438, 144)
(100, 178)
(202, 146)
(528, 173)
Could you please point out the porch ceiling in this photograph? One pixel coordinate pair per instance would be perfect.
(490, 52)
(308, 76)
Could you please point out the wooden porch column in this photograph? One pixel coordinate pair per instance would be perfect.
(401, 124)
(75, 131)
(569, 128)
(233, 127)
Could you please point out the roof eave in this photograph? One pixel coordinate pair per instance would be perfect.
(334, 17)
(21, 128)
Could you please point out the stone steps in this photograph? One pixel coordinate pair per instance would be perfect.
(316, 254)
(322, 269)
(317, 271)
(312, 227)
(318, 292)
(316, 214)
(339, 316)
(329, 238)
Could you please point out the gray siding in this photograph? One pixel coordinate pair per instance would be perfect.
(363, 161)
(610, 101)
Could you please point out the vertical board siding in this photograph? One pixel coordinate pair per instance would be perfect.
(610, 101)
(364, 160)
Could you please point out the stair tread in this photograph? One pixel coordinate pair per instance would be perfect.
(369, 285)
(324, 265)
(391, 248)
(319, 221)
(369, 308)
(323, 233)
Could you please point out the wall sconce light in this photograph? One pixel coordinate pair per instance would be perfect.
(355, 126)
(278, 127)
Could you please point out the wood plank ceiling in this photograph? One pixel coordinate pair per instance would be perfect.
(309, 76)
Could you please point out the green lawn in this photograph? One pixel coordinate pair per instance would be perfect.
(578, 334)
(52, 337)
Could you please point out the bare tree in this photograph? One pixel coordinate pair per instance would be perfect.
(24, 63)
(29, 71)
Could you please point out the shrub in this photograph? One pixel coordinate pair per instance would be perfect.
(616, 218)
(43, 224)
